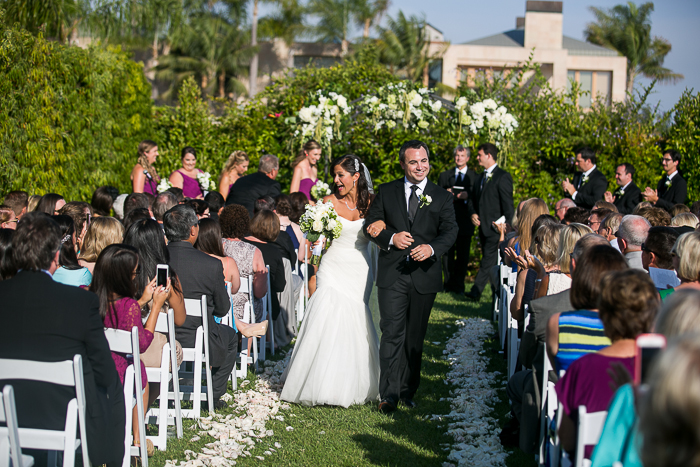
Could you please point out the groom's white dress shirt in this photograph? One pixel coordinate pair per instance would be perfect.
(407, 192)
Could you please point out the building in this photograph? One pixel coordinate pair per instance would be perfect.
(599, 70)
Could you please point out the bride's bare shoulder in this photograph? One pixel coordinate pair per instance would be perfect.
(330, 198)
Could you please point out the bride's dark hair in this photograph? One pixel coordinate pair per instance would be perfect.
(353, 164)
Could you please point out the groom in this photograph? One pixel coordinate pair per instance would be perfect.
(420, 228)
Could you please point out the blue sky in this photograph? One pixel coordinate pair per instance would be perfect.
(676, 20)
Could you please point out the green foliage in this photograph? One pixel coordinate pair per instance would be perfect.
(70, 119)
(684, 136)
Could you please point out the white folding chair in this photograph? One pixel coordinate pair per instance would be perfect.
(267, 315)
(10, 450)
(513, 345)
(590, 426)
(66, 373)
(548, 405)
(240, 370)
(304, 295)
(161, 414)
(128, 343)
(198, 356)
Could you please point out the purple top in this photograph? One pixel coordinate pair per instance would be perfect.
(190, 186)
(305, 186)
(124, 314)
(149, 185)
(586, 382)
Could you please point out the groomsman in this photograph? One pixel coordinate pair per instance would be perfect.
(589, 183)
(458, 181)
(492, 197)
(672, 189)
(628, 195)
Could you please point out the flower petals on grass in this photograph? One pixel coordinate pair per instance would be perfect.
(474, 429)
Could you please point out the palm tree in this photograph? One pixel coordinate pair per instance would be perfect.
(56, 18)
(368, 12)
(334, 18)
(627, 29)
(288, 23)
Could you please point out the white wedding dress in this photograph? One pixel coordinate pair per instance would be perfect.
(336, 357)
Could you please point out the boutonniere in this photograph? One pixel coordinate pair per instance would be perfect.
(489, 176)
(620, 192)
(585, 180)
(425, 200)
(669, 183)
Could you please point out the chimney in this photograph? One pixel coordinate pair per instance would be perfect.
(543, 25)
(520, 22)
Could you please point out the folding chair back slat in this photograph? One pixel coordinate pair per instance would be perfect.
(590, 426)
(199, 355)
(9, 436)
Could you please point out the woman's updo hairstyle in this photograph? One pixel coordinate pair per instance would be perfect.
(67, 258)
(309, 146)
(188, 150)
(236, 158)
(352, 165)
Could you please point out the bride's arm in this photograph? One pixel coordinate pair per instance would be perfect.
(376, 213)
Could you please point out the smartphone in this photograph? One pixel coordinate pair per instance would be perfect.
(648, 346)
(162, 274)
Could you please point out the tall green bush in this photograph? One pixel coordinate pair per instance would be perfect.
(684, 136)
(70, 118)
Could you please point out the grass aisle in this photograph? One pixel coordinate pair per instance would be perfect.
(360, 435)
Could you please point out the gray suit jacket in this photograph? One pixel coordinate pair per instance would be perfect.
(532, 343)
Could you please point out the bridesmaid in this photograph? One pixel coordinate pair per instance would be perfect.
(236, 166)
(186, 177)
(144, 178)
(305, 170)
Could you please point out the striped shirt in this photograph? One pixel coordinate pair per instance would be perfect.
(580, 333)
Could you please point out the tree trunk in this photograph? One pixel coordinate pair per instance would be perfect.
(344, 48)
(631, 75)
(205, 81)
(155, 43)
(365, 33)
(253, 84)
(222, 81)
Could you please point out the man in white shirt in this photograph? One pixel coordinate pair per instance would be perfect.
(589, 184)
(628, 195)
(672, 189)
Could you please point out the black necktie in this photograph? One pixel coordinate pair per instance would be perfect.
(412, 203)
(460, 179)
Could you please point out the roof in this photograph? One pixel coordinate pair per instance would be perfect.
(516, 38)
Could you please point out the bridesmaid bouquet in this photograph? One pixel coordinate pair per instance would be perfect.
(320, 189)
(205, 181)
(164, 185)
(320, 222)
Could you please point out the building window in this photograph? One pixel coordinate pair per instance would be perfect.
(300, 61)
(434, 73)
(473, 75)
(596, 83)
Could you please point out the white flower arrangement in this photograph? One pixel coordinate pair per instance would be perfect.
(320, 222)
(164, 185)
(425, 200)
(320, 189)
(669, 183)
(620, 192)
(321, 121)
(486, 118)
(205, 181)
(401, 104)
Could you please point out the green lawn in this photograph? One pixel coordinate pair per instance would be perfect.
(361, 435)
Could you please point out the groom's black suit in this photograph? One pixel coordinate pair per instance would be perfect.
(407, 288)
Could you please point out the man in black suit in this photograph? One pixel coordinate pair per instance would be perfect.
(258, 185)
(672, 189)
(459, 182)
(492, 198)
(420, 228)
(201, 274)
(628, 195)
(589, 183)
(46, 321)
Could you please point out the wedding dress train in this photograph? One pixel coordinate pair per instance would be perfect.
(336, 357)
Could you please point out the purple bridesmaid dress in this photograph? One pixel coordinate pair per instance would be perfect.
(190, 186)
(305, 186)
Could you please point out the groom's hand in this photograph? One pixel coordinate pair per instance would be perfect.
(402, 240)
(421, 253)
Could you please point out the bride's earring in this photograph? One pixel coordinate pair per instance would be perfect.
(353, 183)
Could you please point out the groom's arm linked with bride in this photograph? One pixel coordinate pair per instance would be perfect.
(420, 228)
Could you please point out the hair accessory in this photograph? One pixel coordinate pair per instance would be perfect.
(368, 179)
(357, 165)
(65, 239)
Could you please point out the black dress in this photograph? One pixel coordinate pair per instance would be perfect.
(272, 256)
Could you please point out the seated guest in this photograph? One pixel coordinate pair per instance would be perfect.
(657, 217)
(235, 225)
(201, 208)
(597, 217)
(50, 204)
(600, 204)
(33, 202)
(200, 274)
(572, 334)
(8, 219)
(284, 211)
(7, 268)
(103, 199)
(562, 206)
(640, 206)
(264, 230)
(255, 186)
(18, 201)
(686, 260)
(114, 286)
(81, 213)
(162, 204)
(685, 219)
(135, 215)
(609, 227)
(178, 194)
(209, 241)
(628, 305)
(657, 257)
(103, 231)
(216, 204)
(679, 209)
(576, 215)
(136, 201)
(118, 206)
(530, 210)
(559, 279)
(65, 321)
(70, 272)
(299, 202)
(630, 236)
(283, 241)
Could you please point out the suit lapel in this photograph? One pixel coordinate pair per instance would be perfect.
(401, 195)
(428, 191)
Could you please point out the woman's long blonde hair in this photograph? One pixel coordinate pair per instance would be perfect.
(145, 146)
(531, 210)
(103, 231)
(236, 158)
(309, 146)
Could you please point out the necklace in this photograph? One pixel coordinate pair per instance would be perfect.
(346, 205)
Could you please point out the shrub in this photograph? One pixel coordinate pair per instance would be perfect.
(684, 136)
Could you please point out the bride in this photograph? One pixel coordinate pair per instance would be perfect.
(336, 356)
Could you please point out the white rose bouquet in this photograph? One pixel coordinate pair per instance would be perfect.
(319, 190)
(205, 181)
(320, 222)
(164, 185)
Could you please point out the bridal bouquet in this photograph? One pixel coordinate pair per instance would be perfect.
(205, 181)
(164, 185)
(319, 190)
(320, 222)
